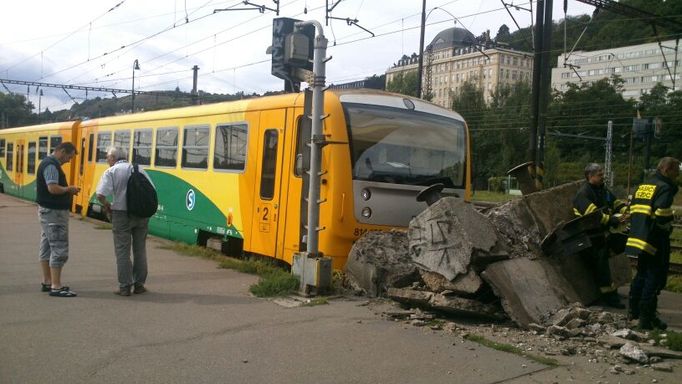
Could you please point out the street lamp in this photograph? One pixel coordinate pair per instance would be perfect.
(136, 66)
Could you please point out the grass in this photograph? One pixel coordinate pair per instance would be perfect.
(273, 281)
(674, 284)
(511, 349)
(494, 197)
(673, 339)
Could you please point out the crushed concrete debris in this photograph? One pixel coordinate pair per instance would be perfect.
(633, 352)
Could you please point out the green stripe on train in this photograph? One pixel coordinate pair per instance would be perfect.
(27, 191)
(184, 210)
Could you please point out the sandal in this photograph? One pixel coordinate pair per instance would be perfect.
(48, 287)
(62, 292)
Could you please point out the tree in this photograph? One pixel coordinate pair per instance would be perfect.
(404, 83)
(503, 35)
(586, 109)
(469, 103)
(659, 103)
(15, 111)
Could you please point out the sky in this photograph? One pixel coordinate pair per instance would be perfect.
(96, 42)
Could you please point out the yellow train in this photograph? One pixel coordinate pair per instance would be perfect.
(236, 170)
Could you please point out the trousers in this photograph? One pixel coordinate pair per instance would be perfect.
(130, 232)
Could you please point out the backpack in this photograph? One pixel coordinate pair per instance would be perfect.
(141, 195)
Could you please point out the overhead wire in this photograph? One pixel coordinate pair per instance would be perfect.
(67, 36)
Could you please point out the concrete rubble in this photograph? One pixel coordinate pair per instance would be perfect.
(573, 332)
(492, 258)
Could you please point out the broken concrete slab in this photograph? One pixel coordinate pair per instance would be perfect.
(379, 260)
(449, 304)
(524, 222)
(444, 237)
(530, 290)
(466, 284)
(621, 272)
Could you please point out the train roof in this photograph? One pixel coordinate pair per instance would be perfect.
(41, 127)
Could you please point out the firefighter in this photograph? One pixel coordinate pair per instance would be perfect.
(594, 196)
(649, 241)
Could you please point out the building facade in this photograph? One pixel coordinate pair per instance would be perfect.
(641, 67)
(454, 57)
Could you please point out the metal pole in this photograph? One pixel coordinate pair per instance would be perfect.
(195, 93)
(316, 137)
(535, 95)
(132, 100)
(136, 65)
(420, 67)
(609, 155)
(545, 81)
(40, 100)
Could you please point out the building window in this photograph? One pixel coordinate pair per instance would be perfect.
(2, 147)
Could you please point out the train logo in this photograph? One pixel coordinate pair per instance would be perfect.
(190, 200)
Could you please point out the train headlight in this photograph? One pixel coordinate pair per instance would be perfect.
(366, 212)
(366, 194)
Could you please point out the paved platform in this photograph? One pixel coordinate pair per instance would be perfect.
(199, 324)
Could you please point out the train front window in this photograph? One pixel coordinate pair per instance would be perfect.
(401, 146)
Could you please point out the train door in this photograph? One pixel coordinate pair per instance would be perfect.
(86, 170)
(293, 225)
(267, 189)
(19, 170)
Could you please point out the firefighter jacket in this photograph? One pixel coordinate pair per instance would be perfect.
(590, 198)
(651, 216)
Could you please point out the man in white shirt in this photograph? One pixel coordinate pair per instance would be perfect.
(127, 229)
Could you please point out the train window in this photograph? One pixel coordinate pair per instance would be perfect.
(166, 147)
(91, 145)
(2, 147)
(302, 163)
(122, 140)
(103, 142)
(142, 146)
(195, 147)
(230, 147)
(31, 157)
(54, 142)
(9, 165)
(81, 157)
(269, 167)
(42, 147)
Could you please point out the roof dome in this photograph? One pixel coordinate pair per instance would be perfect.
(453, 38)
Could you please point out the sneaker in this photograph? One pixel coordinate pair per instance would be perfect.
(139, 289)
(122, 291)
(62, 292)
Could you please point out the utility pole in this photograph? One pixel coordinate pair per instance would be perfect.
(195, 94)
(609, 154)
(420, 67)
